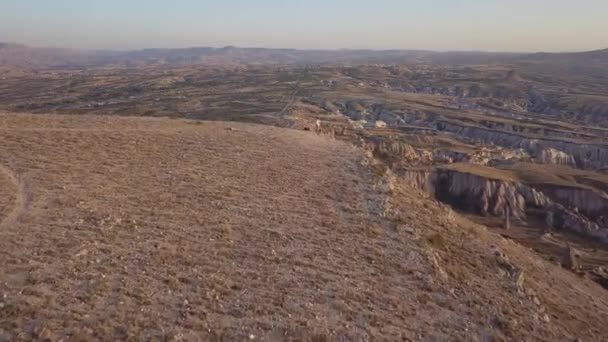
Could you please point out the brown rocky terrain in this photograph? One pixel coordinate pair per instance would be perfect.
(403, 195)
(127, 228)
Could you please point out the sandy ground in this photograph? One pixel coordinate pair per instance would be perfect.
(157, 229)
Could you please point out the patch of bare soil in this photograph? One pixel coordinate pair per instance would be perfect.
(157, 229)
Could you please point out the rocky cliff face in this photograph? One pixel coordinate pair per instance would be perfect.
(544, 144)
(422, 179)
(398, 151)
(390, 150)
(568, 209)
(486, 196)
(482, 195)
(393, 150)
(588, 202)
(584, 155)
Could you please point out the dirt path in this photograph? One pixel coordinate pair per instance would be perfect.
(292, 98)
(19, 203)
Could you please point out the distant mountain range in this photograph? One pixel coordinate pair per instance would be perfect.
(25, 57)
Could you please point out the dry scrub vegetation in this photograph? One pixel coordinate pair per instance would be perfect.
(156, 229)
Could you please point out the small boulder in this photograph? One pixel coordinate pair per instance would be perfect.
(570, 259)
(380, 124)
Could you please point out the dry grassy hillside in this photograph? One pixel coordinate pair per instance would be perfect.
(152, 229)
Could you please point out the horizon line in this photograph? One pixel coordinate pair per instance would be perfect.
(218, 47)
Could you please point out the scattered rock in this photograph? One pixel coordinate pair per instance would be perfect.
(43, 333)
(570, 259)
(81, 253)
(519, 279)
(507, 218)
(502, 260)
(380, 124)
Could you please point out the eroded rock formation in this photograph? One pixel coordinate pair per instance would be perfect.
(570, 210)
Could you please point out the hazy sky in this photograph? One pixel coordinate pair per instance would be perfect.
(498, 25)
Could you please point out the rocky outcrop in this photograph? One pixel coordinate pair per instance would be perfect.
(566, 219)
(497, 197)
(421, 179)
(394, 150)
(389, 150)
(553, 156)
(546, 145)
(371, 112)
(357, 111)
(398, 151)
(586, 201)
(537, 101)
(379, 124)
(584, 155)
(482, 195)
(570, 259)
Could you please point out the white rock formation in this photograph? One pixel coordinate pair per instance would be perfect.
(553, 156)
